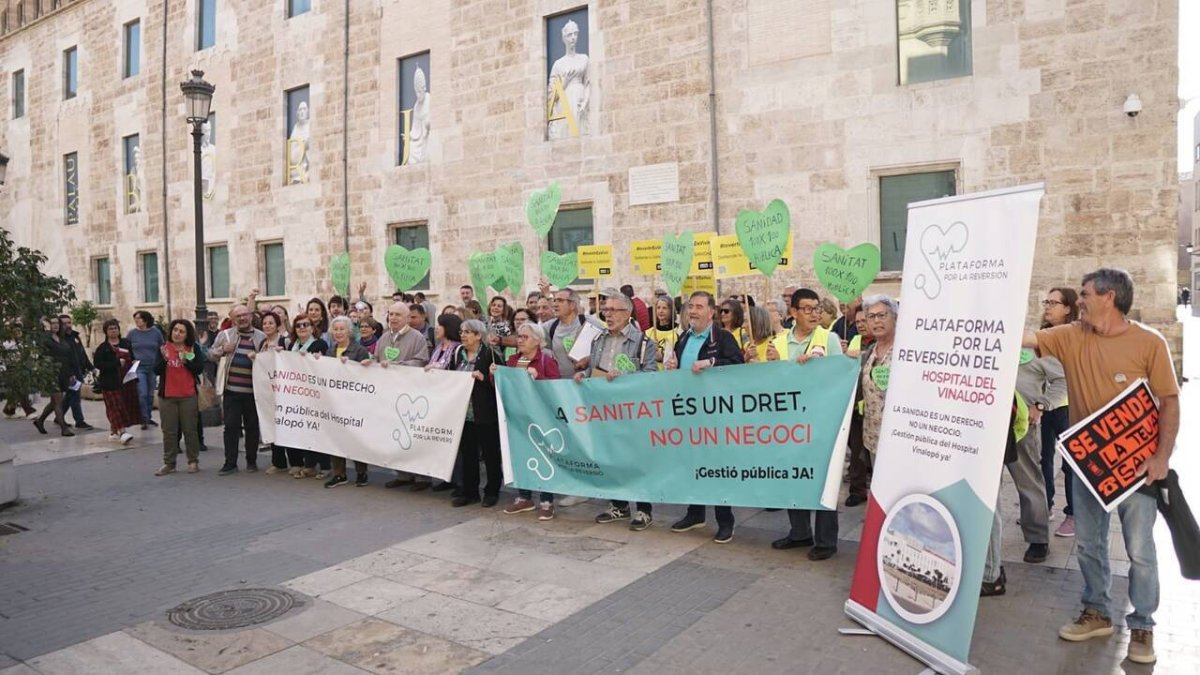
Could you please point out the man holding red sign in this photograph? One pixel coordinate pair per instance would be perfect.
(1103, 354)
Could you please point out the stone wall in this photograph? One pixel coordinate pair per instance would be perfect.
(808, 110)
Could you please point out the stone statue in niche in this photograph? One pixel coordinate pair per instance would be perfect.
(298, 147)
(133, 189)
(418, 133)
(208, 162)
(568, 90)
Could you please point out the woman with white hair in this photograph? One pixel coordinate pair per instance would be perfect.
(346, 348)
(876, 362)
(481, 431)
(541, 366)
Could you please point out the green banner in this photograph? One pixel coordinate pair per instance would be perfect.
(765, 435)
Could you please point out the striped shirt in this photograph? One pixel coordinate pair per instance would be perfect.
(241, 367)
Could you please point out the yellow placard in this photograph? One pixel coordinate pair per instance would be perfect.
(699, 283)
(702, 257)
(595, 261)
(647, 256)
(730, 261)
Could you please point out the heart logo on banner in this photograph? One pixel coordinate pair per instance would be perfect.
(846, 274)
(390, 353)
(623, 363)
(409, 410)
(561, 270)
(542, 207)
(764, 235)
(485, 272)
(339, 271)
(676, 260)
(546, 442)
(406, 268)
(510, 260)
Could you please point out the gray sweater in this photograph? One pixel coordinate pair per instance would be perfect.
(413, 349)
(1043, 380)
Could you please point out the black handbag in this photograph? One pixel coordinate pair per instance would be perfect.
(1185, 534)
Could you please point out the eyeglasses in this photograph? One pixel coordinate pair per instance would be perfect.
(725, 310)
(522, 337)
(615, 310)
(878, 316)
(1051, 303)
(303, 324)
(808, 310)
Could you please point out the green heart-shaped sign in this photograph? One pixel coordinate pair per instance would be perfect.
(406, 268)
(568, 342)
(561, 270)
(542, 207)
(391, 353)
(623, 363)
(510, 260)
(880, 376)
(844, 273)
(339, 271)
(676, 259)
(764, 235)
(485, 271)
(1027, 355)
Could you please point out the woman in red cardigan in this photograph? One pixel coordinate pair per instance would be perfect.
(541, 366)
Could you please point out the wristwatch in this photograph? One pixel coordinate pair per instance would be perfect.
(1040, 406)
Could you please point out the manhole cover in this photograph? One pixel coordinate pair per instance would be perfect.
(231, 609)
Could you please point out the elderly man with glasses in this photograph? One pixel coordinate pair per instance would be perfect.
(621, 337)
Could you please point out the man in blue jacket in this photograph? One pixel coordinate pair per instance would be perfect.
(705, 345)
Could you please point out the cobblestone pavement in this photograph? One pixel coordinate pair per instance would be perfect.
(390, 581)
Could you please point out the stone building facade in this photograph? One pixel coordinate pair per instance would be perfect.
(818, 103)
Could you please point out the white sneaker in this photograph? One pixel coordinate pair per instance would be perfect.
(126, 437)
(570, 500)
(113, 437)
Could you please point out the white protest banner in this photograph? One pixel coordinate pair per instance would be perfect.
(398, 417)
(949, 398)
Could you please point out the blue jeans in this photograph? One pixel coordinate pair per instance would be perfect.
(74, 401)
(147, 383)
(1054, 422)
(1137, 514)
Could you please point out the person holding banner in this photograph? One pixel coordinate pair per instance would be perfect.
(541, 366)
(1103, 353)
(346, 348)
(481, 431)
(705, 345)
(402, 345)
(809, 340)
(1038, 382)
(305, 341)
(621, 350)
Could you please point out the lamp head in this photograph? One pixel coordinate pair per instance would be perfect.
(198, 94)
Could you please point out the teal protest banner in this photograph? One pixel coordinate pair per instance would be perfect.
(765, 435)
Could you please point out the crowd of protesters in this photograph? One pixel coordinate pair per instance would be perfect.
(1060, 381)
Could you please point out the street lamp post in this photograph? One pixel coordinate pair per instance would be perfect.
(198, 94)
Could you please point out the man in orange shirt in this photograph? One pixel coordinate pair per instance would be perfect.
(1103, 353)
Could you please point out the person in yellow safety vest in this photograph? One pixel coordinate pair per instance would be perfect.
(768, 344)
(808, 340)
